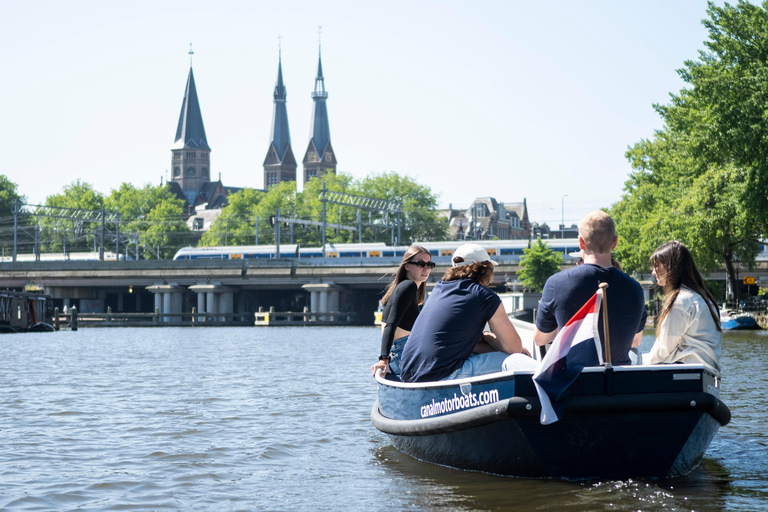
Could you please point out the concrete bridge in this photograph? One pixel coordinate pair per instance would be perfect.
(235, 286)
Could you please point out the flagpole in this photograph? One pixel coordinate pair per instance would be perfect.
(604, 288)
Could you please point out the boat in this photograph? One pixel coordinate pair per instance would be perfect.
(23, 312)
(642, 421)
(737, 320)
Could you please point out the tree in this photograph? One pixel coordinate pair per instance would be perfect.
(420, 221)
(537, 264)
(236, 225)
(703, 178)
(57, 235)
(155, 213)
(8, 194)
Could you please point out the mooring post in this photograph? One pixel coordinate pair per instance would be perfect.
(56, 319)
(73, 323)
(194, 313)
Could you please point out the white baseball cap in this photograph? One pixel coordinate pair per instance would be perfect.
(468, 254)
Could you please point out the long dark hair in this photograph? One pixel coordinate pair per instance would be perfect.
(400, 275)
(677, 262)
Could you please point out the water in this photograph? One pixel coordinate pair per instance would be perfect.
(278, 419)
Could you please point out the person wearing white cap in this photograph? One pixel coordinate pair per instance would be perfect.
(447, 339)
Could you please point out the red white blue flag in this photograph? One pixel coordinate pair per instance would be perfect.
(576, 345)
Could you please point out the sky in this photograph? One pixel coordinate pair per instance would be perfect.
(509, 99)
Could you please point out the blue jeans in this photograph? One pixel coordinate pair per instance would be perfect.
(479, 364)
(397, 353)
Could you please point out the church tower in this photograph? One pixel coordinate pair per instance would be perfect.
(280, 164)
(319, 156)
(190, 160)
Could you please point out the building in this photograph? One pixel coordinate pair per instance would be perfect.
(487, 219)
(319, 157)
(280, 164)
(191, 158)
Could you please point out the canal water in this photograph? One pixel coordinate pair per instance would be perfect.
(278, 419)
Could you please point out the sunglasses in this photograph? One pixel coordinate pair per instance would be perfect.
(422, 264)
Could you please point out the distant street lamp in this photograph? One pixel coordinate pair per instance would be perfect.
(562, 217)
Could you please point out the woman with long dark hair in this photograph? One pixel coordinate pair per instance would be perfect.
(688, 328)
(401, 303)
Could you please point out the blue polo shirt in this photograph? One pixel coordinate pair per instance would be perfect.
(567, 291)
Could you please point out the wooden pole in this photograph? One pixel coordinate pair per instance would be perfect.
(606, 336)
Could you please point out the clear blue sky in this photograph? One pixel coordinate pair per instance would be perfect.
(509, 99)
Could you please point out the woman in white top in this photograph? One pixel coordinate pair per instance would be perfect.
(689, 325)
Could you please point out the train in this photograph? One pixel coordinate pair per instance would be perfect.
(69, 256)
(500, 249)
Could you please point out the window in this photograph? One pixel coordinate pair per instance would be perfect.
(197, 223)
(177, 172)
(205, 172)
(191, 155)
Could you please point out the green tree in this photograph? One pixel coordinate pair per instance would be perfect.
(153, 212)
(8, 194)
(537, 264)
(58, 235)
(703, 178)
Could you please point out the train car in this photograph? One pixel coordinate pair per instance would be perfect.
(69, 256)
(499, 249)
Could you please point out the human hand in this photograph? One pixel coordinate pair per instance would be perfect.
(525, 352)
(383, 364)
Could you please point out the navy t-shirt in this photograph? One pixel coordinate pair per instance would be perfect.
(567, 291)
(448, 328)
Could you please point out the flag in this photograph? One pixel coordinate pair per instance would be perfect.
(576, 345)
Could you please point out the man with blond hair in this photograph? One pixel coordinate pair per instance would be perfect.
(567, 291)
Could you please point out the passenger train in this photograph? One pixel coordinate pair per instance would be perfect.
(69, 256)
(499, 249)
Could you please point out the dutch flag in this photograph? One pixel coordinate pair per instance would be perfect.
(576, 345)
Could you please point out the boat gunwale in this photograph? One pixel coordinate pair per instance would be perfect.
(505, 375)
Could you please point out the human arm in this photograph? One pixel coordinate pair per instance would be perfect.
(505, 339)
(544, 338)
(637, 339)
(404, 296)
(670, 335)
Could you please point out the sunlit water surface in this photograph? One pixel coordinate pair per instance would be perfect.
(278, 419)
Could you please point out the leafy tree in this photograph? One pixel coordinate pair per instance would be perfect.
(155, 213)
(537, 264)
(58, 235)
(236, 225)
(703, 178)
(420, 221)
(8, 194)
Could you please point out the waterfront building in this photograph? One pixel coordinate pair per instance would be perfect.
(487, 219)
(319, 157)
(280, 164)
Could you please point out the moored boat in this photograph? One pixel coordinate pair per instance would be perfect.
(731, 321)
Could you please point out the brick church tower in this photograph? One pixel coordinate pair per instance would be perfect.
(280, 164)
(319, 156)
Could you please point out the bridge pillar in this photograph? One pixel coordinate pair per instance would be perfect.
(167, 300)
(324, 298)
(214, 299)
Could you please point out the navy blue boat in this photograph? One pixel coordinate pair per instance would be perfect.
(731, 321)
(623, 422)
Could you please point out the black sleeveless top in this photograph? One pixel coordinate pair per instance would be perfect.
(401, 310)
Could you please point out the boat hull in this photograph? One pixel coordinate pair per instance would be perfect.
(739, 322)
(657, 433)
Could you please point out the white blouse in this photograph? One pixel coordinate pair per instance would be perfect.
(688, 334)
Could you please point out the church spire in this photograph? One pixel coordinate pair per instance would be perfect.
(190, 132)
(190, 153)
(319, 156)
(280, 164)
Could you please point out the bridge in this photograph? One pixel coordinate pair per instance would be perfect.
(352, 285)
